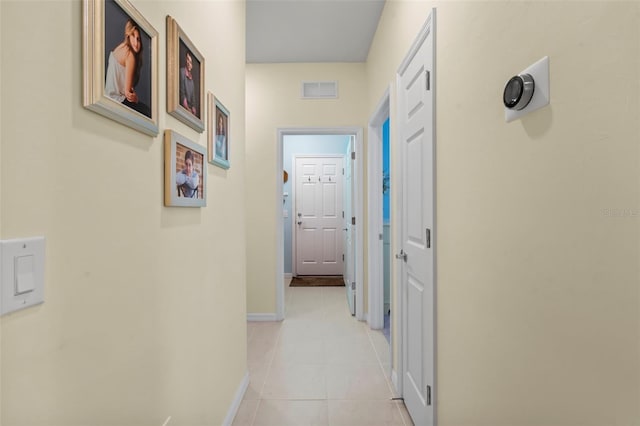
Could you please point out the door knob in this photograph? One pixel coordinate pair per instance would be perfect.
(345, 229)
(299, 222)
(402, 255)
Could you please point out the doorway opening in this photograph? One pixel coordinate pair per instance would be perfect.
(386, 231)
(379, 194)
(318, 144)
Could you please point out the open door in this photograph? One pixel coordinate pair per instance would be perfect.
(349, 230)
(417, 170)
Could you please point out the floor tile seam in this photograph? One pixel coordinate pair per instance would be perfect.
(294, 399)
(255, 413)
(390, 400)
(270, 363)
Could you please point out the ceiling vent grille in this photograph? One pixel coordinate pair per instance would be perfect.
(319, 89)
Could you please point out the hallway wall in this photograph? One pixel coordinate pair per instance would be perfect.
(273, 101)
(135, 293)
(538, 237)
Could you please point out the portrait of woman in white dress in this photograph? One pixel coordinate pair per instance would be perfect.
(127, 80)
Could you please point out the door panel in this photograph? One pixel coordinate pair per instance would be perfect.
(415, 309)
(329, 200)
(318, 209)
(308, 204)
(330, 246)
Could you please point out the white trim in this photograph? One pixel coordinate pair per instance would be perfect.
(358, 205)
(288, 276)
(279, 278)
(262, 317)
(396, 223)
(374, 208)
(394, 382)
(358, 172)
(237, 400)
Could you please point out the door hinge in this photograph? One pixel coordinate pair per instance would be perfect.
(343, 257)
(343, 214)
(343, 171)
(428, 238)
(428, 395)
(428, 83)
(353, 220)
(353, 155)
(353, 285)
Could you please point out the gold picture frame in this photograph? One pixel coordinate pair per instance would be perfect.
(185, 78)
(113, 32)
(185, 185)
(218, 138)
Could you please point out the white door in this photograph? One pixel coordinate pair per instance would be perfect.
(349, 231)
(319, 216)
(415, 108)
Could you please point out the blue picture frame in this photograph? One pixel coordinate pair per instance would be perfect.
(219, 121)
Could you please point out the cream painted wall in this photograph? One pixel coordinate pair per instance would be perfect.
(144, 314)
(1, 97)
(538, 319)
(273, 101)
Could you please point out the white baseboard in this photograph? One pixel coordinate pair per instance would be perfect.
(261, 317)
(288, 275)
(237, 400)
(394, 381)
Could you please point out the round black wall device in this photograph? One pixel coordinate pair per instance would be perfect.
(518, 92)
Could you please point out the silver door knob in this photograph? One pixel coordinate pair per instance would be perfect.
(402, 255)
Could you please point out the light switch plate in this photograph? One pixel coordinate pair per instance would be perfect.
(22, 273)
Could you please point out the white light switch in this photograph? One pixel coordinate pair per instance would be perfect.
(22, 273)
(24, 278)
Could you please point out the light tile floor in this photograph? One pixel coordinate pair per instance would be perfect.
(320, 366)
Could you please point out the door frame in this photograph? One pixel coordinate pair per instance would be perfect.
(375, 251)
(357, 204)
(429, 27)
(294, 228)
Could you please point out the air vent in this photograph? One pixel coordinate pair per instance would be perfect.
(319, 89)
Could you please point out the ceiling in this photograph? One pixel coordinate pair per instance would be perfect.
(310, 30)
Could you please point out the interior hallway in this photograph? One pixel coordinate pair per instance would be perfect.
(320, 366)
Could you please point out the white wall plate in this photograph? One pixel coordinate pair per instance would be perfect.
(22, 273)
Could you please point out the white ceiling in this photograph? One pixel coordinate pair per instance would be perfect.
(311, 30)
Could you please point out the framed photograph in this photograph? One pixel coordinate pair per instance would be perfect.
(120, 64)
(185, 172)
(185, 78)
(218, 133)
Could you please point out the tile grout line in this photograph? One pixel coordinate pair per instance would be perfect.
(269, 364)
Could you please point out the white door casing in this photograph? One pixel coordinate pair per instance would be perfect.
(278, 277)
(318, 215)
(375, 219)
(417, 170)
